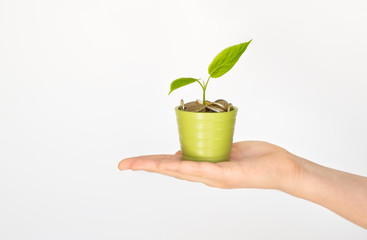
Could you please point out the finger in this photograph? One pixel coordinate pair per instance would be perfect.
(166, 162)
(178, 153)
(192, 168)
(142, 162)
(151, 163)
(205, 172)
(173, 166)
(185, 177)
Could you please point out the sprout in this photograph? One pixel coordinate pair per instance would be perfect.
(220, 65)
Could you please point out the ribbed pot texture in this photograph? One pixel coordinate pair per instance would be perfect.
(206, 136)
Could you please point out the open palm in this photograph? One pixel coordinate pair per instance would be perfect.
(252, 164)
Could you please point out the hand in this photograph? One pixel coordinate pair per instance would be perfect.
(255, 164)
(252, 164)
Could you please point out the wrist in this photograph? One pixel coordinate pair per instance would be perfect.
(297, 172)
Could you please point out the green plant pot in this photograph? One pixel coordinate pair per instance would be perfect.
(206, 136)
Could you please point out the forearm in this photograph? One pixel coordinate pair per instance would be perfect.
(341, 192)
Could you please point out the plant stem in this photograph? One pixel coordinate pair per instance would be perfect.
(204, 89)
(204, 97)
(203, 86)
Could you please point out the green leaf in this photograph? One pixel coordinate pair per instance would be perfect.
(181, 82)
(226, 59)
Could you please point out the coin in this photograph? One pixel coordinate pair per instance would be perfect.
(182, 105)
(214, 109)
(202, 110)
(222, 102)
(194, 107)
(215, 104)
(219, 105)
(229, 107)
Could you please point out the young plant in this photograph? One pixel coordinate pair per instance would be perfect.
(220, 65)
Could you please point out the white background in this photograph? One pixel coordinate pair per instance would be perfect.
(84, 84)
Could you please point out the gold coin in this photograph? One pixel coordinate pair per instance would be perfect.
(229, 107)
(194, 107)
(214, 109)
(182, 105)
(215, 104)
(222, 102)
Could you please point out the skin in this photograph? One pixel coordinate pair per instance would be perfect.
(255, 164)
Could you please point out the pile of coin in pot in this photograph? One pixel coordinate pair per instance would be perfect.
(219, 105)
